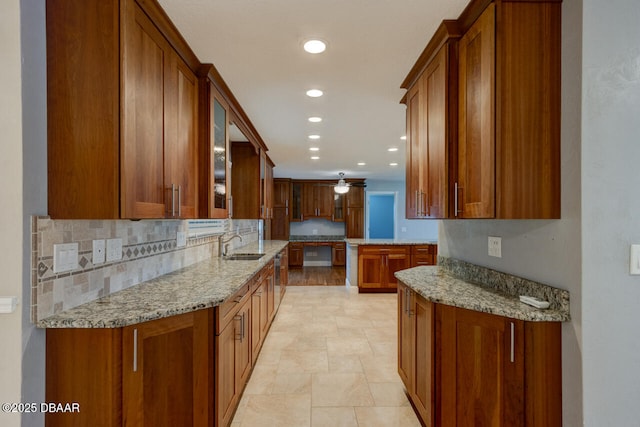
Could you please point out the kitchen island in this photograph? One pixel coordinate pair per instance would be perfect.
(175, 350)
(371, 263)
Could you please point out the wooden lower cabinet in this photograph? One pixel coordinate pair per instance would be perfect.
(165, 371)
(232, 363)
(339, 254)
(296, 254)
(416, 341)
(185, 370)
(467, 368)
(424, 255)
(377, 265)
(155, 373)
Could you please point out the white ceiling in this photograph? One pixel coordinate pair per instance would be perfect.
(256, 45)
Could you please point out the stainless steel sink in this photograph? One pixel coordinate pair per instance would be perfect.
(244, 257)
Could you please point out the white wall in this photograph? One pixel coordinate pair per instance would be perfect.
(545, 251)
(405, 228)
(11, 243)
(611, 211)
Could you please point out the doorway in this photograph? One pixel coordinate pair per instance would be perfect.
(381, 215)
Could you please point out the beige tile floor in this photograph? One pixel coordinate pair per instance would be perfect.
(329, 360)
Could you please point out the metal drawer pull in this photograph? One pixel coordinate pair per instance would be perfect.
(135, 350)
(513, 356)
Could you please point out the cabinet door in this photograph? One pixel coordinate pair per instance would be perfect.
(243, 345)
(296, 254)
(295, 214)
(355, 223)
(281, 193)
(436, 158)
(371, 270)
(180, 142)
(355, 197)
(405, 337)
(165, 370)
(280, 224)
(214, 182)
(338, 254)
(324, 200)
(414, 155)
(308, 200)
(482, 368)
(476, 131)
(146, 56)
(225, 373)
(339, 211)
(395, 260)
(422, 315)
(257, 299)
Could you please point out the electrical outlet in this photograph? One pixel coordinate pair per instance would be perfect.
(634, 260)
(114, 249)
(65, 257)
(181, 239)
(495, 246)
(98, 252)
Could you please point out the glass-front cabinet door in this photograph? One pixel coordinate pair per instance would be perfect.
(216, 175)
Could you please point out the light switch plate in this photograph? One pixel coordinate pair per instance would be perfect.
(98, 252)
(114, 249)
(8, 304)
(181, 239)
(65, 257)
(634, 260)
(495, 246)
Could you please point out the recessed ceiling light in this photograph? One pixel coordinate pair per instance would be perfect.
(315, 46)
(404, 137)
(315, 119)
(392, 149)
(314, 136)
(314, 149)
(361, 163)
(315, 158)
(393, 164)
(314, 93)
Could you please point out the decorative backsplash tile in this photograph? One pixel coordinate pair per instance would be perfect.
(149, 250)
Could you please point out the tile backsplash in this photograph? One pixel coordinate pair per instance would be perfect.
(149, 250)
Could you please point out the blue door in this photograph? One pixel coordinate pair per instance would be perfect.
(381, 216)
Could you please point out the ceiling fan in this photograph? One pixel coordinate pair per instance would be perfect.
(342, 186)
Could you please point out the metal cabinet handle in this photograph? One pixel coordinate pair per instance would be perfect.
(455, 199)
(512, 355)
(230, 206)
(135, 350)
(179, 200)
(173, 200)
(417, 204)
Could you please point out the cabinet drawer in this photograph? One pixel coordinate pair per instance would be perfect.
(424, 250)
(228, 309)
(383, 250)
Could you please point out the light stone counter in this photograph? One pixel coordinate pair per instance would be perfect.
(457, 284)
(359, 242)
(202, 285)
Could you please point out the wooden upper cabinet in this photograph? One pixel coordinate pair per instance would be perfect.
(122, 113)
(146, 60)
(281, 192)
(181, 142)
(509, 112)
(317, 200)
(483, 115)
(246, 187)
(214, 151)
(476, 147)
(431, 127)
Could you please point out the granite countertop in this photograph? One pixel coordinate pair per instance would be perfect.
(440, 285)
(202, 285)
(357, 242)
(316, 238)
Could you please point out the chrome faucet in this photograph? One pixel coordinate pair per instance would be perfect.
(223, 245)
